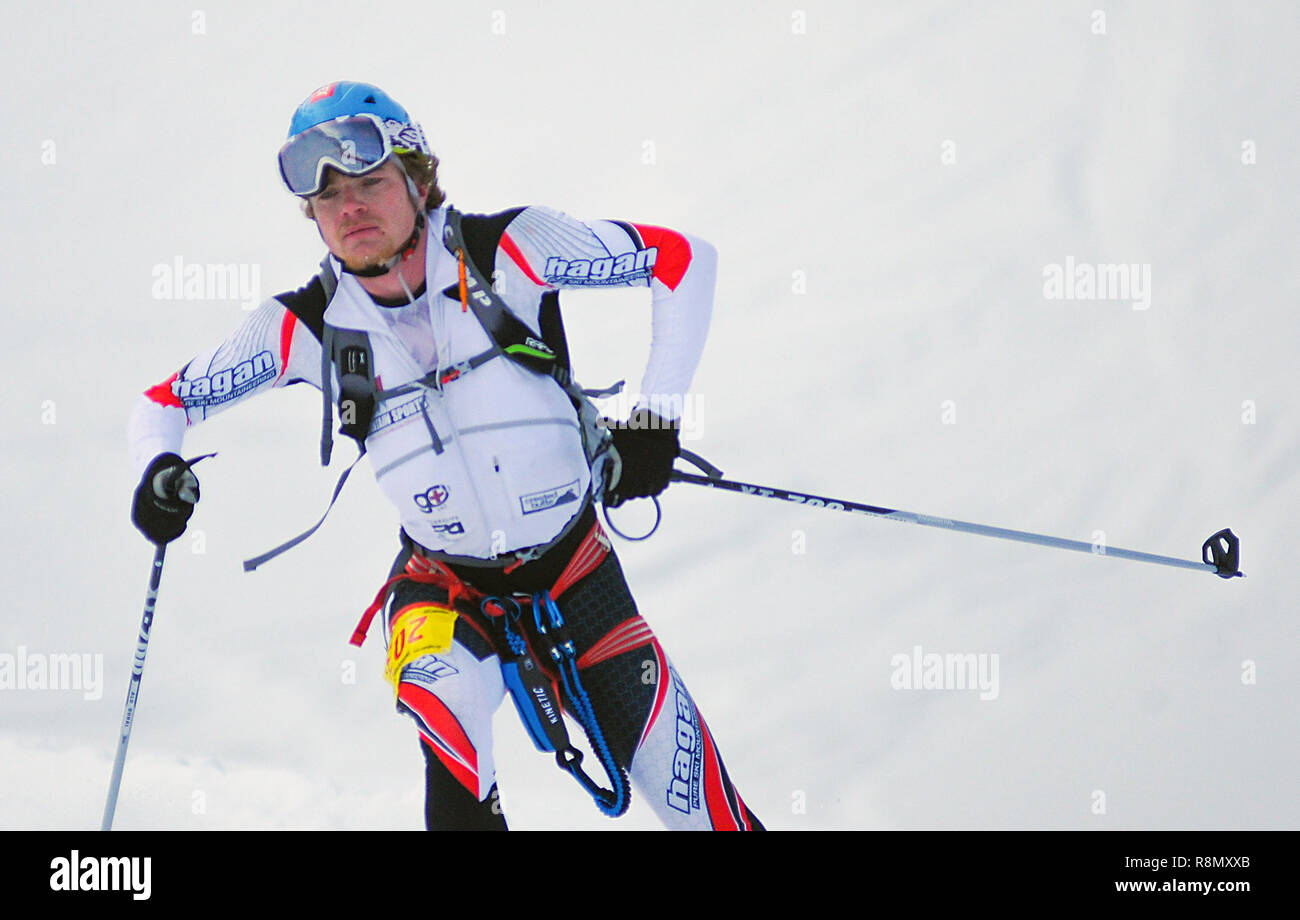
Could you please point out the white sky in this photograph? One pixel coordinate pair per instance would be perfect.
(137, 133)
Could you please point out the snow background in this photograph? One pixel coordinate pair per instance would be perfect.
(817, 153)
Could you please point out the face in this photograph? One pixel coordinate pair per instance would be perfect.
(364, 220)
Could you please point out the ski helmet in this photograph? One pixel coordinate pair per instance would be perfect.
(353, 127)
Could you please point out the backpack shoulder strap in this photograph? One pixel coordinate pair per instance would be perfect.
(310, 301)
(345, 349)
(482, 235)
(509, 333)
(350, 352)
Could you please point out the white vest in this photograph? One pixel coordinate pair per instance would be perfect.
(510, 471)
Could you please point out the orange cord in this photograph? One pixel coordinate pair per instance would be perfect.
(464, 290)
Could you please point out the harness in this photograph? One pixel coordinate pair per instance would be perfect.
(539, 662)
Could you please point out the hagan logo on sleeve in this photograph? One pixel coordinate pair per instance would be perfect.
(624, 269)
(226, 385)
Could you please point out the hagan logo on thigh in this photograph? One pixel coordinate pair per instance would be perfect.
(684, 788)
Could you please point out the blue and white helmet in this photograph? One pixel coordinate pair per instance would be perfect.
(351, 127)
(338, 100)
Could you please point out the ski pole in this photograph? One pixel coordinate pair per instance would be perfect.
(141, 650)
(133, 689)
(1219, 554)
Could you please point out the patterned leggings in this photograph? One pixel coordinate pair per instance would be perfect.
(649, 720)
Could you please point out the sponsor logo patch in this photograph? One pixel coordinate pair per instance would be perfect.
(549, 498)
(404, 135)
(452, 527)
(431, 498)
(323, 92)
(538, 345)
(226, 385)
(399, 413)
(427, 670)
(624, 269)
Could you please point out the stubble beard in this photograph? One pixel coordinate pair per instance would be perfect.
(373, 258)
(381, 256)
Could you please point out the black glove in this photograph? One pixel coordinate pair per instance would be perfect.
(647, 445)
(165, 499)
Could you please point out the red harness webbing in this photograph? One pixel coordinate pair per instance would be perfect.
(422, 569)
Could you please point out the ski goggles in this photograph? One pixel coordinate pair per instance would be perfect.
(352, 144)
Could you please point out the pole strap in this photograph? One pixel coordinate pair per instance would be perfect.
(251, 564)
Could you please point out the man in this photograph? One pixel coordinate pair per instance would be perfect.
(457, 389)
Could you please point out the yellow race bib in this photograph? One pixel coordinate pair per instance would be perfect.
(425, 629)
